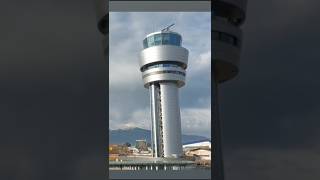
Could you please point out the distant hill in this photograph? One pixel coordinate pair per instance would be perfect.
(121, 136)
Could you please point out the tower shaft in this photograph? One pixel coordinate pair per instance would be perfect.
(170, 112)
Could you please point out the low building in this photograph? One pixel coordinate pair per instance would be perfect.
(199, 153)
(195, 144)
(141, 145)
(133, 150)
(201, 156)
(118, 149)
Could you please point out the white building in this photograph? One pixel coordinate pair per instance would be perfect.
(199, 153)
(197, 144)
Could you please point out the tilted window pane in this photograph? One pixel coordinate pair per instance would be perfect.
(178, 40)
(150, 41)
(172, 39)
(145, 43)
(157, 39)
(175, 39)
(165, 38)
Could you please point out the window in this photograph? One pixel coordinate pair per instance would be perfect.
(150, 41)
(145, 43)
(165, 38)
(162, 38)
(178, 40)
(164, 72)
(160, 65)
(173, 39)
(157, 39)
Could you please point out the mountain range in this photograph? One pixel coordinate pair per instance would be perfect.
(130, 135)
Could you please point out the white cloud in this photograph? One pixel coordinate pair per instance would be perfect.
(138, 118)
(200, 64)
(196, 121)
(121, 74)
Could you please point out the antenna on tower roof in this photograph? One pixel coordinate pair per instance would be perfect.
(167, 28)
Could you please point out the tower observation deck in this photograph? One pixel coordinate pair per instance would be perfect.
(163, 63)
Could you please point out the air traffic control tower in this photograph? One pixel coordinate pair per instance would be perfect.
(163, 63)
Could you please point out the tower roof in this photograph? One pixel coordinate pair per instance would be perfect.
(159, 32)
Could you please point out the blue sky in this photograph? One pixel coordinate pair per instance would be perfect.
(129, 100)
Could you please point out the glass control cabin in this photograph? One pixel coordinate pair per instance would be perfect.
(162, 38)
